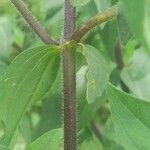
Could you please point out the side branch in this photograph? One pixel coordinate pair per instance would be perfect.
(32, 21)
(96, 20)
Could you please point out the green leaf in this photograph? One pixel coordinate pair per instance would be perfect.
(4, 147)
(131, 121)
(25, 81)
(139, 87)
(87, 140)
(129, 50)
(123, 28)
(109, 130)
(139, 64)
(6, 37)
(136, 74)
(87, 111)
(3, 66)
(102, 5)
(110, 134)
(51, 140)
(138, 15)
(109, 35)
(91, 143)
(77, 3)
(51, 115)
(97, 74)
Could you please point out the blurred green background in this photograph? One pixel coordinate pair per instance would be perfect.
(16, 36)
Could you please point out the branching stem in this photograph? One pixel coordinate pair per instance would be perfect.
(32, 21)
(96, 20)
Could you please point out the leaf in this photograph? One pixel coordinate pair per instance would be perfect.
(139, 65)
(4, 147)
(103, 5)
(97, 74)
(87, 111)
(109, 35)
(25, 81)
(123, 28)
(77, 3)
(3, 66)
(51, 115)
(110, 134)
(136, 74)
(6, 37)
(91, 143)
(51, 140)
(131, 121)
(139, 87)
(138, 15)
(87, 141)
(109, 130)
(25, 129)
(129, 50)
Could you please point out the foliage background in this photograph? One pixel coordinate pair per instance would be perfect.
(131, 73)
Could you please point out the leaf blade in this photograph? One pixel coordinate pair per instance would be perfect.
(97, 74)
(22, 77)
(49, 140)
(139, 22)
(131, 119)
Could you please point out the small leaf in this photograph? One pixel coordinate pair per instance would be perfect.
(77, 3)
(97, 74)
(131, 121)
(25, 81)
(51, 140)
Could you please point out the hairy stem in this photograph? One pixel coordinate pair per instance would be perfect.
(96, 20)
(69, 80)
(32, 21)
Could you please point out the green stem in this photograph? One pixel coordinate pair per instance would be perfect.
(96, 20)
(69, 80)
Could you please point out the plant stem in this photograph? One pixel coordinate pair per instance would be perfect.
(96, 20)
(32, 21)
(69, 81)
(96, 131)
(120, 63)
(119, 55)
